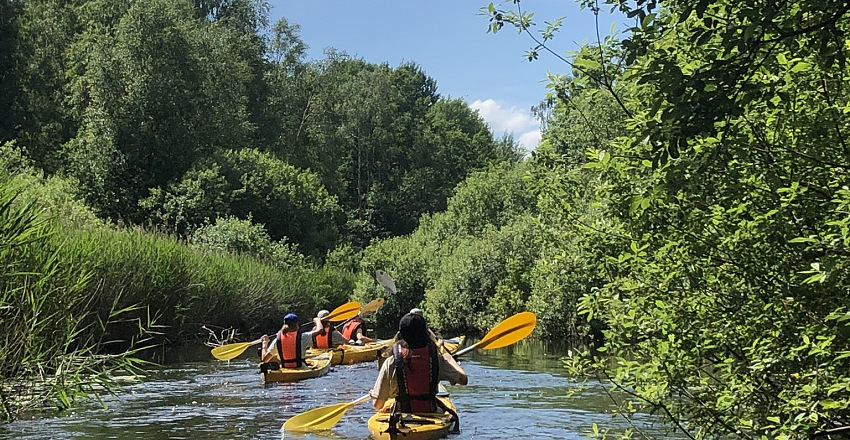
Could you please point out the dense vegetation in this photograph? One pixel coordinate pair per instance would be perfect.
(710, 217)
(686, 217)
(172, 165)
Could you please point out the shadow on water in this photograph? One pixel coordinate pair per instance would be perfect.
(514, 392)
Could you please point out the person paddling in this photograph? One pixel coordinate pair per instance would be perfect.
(412, 373)
(418, 311)
(327, 336)
(290, 344)
(352, 331)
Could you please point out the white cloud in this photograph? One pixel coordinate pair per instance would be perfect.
(504, 119)
(530, 139)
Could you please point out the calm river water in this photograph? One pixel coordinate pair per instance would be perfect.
(513, 392)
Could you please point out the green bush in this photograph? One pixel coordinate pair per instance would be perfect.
(248, 184)
(237, 236)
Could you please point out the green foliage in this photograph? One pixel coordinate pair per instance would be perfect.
(465, 267)
(235, 236)
(290, 203)
(156, 90)
(406, 260)
(9, 82)
(719, 290)
(492, 197)
(482, 280)
(49, 331)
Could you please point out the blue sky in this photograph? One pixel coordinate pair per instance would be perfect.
(449, 39)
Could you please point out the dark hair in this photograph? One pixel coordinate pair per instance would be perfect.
(413, 330)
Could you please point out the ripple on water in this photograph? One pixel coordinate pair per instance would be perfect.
(509, 396)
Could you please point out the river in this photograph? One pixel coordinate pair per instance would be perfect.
(513, 392)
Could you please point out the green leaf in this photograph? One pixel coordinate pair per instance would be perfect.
(802, 66)
(802, 240)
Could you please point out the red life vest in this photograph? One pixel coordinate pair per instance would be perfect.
(289, 349)
(417, 372)
(324, 339)
(349, 331)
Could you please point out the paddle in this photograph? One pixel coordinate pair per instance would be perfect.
(505, 333)
(376, 304)
(230, 351)
(321, 418)
(344, 312)
(372, 307)
(385, 280)
(341, 313)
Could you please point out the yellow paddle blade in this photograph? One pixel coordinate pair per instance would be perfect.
(505, 333)
(343, 312)
(324, 417)
(372, 307)
(230, 351)
(509, 331)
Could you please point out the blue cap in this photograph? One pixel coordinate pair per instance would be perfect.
(290, 318)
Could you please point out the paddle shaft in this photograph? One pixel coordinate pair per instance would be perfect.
(230, 351)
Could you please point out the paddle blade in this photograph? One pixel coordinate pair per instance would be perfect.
(230, 351)
(343, 312)
(509, 331)
(372, 307)
(386, 280)
(317, 419)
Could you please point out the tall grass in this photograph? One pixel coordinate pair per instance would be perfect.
(183, 288)
(80, 298)
(49, 344)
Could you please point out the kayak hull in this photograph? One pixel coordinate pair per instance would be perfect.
(317, 367)
(353, 354)
(427, 426)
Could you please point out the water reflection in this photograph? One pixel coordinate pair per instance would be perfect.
(518, 391)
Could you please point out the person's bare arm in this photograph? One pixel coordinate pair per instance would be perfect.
(462, 378)
(267, 349)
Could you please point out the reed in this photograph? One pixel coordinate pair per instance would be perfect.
(50, 347)
(183, 288)
(79, 298)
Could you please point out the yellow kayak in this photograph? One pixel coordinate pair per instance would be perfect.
(425, 426)
(352, 354)
(452, 345)
(316, 367)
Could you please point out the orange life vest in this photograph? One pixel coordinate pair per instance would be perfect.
(417, 372)
(349, 331)
(324, 339)
(289, 349)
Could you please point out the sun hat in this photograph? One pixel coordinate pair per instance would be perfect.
(322, 314)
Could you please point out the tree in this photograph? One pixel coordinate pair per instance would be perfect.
(723, 304)
(9, 12)
(291, 204)
(164, 91)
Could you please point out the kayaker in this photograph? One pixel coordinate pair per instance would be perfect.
(291, 343)
(414, 370)
(418, 311)
(352, 331)
(327, 336)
